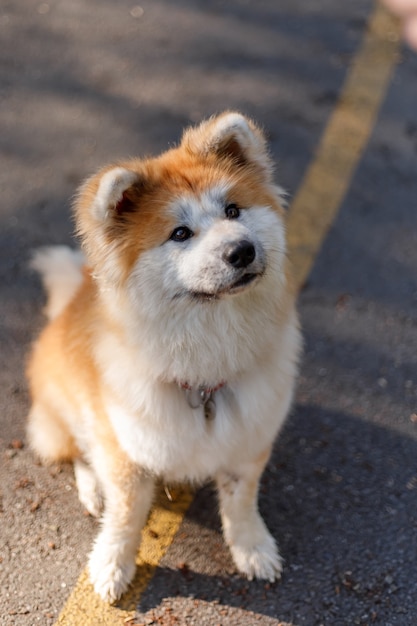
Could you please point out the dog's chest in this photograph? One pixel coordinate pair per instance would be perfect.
(178, 437)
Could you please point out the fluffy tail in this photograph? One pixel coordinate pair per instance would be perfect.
(60, 268)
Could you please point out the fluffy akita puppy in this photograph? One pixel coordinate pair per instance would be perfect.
(172, 353)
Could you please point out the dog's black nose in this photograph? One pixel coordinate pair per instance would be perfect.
(240, 254)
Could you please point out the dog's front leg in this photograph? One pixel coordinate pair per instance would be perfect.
(128, 496)
(253, 548)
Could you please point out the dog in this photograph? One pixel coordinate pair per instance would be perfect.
(172, 346)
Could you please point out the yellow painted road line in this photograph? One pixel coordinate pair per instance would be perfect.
(327, 179)
(311, 215)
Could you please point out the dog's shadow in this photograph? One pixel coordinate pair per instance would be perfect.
(339, 495)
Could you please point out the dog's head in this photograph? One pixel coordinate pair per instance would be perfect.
(188, 250)
(201, 222)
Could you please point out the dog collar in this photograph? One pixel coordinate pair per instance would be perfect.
(201, 395)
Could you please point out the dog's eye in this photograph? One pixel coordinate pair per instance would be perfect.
(182, 233)
(232, 211)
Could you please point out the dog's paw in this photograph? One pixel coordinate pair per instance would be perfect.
(92, 501)
(88, 489)
(259, 560)
(110, 576)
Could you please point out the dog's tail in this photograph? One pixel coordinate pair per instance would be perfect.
(60, 268)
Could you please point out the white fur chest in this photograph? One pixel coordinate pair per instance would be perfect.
(160, 431)
(176, 442)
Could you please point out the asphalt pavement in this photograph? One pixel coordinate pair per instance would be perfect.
(86, 83)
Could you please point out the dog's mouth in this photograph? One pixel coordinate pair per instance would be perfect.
(242, 282)
(236, 287)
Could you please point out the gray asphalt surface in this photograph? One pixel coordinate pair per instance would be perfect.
(84, 83)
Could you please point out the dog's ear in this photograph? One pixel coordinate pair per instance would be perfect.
(103, 208)
(116, 193)
(107, 199)
(230, 135)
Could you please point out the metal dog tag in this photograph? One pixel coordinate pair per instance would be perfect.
(196, 396)
(210, 409)
(201, 397)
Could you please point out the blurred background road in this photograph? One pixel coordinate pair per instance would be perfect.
(84, 83)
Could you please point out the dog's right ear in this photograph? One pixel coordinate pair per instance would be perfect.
(115, 193)
(103, 207)
(111, 193)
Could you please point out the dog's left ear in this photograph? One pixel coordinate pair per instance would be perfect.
(230, 135)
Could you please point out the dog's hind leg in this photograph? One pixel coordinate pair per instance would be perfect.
(49, 436)
(89, 492)
(253, 548)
